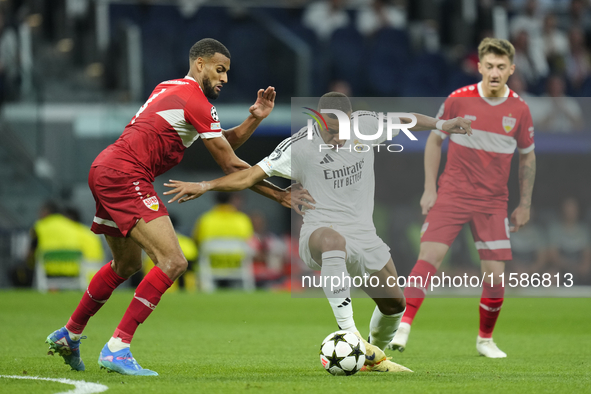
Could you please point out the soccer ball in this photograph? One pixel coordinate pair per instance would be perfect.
(342, 353)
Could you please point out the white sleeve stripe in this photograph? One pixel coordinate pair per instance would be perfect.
(527, 150)
(211, 135)
(493, 245)
(486, 141)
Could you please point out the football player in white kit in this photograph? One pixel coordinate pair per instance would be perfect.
(338, 236)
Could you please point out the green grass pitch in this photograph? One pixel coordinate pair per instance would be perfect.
(269, 342)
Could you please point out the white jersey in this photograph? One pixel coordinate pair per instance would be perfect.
(342, 182)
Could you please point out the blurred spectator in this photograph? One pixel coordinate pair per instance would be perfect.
(531, 22)
(536, 104)
(269, 251)
(532, 65)
(324, 17)
(570, 244)
(517, 84)
(224, 220)
(579, 16)
(381, 14)
(555, 112)
(556, 46)
(543, 5)
(430, 37)
(466, 73)
(92, 247)
(578, 63)
(530, 253)
(51, 232)
(9, 61)
(341, 86)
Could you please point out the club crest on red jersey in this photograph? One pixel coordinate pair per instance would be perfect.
(508, 123)
(152, 203)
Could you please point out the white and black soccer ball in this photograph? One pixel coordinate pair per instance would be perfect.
(342, 353)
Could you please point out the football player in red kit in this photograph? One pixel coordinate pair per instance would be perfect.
(131, 215)
(473, 187)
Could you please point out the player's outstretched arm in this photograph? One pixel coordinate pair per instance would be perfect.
(236, 181)
(262, 107)
(223, 154)
(527, 176)
(455, 126)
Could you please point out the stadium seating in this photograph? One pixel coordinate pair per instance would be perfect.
(225, 259)
(426, 77)
(387, 57)
(250, 63)
(60, 269)
(345, 52)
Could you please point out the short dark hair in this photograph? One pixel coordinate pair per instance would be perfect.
(207, 47)
(335, 100)
(50, 207)
(222, 198)
(72, 213)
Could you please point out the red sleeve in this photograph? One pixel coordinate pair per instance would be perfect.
(525, 133)
(445, 113)
(203, 117)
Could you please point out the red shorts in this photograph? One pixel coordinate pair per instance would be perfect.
(122, 200)
(490, 230)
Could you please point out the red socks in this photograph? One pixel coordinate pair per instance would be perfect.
(490, 307)
(416, 295)
(146, 297)
(98, 292)
(490, 303)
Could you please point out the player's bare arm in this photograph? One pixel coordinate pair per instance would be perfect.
(432, 161)
(224, 155)
(527, 175)
(236, 181)
(454, 126)
(262, 107)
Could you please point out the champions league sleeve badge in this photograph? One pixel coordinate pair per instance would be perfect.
(214, 114)
(275, 155)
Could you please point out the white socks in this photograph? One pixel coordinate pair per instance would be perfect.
(383, 327)
(116, 344)
(73, 337)
(339, 296)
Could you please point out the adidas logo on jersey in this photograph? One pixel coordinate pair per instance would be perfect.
(327, 159)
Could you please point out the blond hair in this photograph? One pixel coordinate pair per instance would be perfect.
(497, 46)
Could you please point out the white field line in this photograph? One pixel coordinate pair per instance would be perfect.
(81, 387)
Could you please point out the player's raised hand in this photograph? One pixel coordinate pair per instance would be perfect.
(185, 191)
(300, 197)
(428, 200)
(519, 218)
(264, 104)
(458, 126)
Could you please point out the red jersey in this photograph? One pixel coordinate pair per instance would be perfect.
(478, 166)
(175, 115)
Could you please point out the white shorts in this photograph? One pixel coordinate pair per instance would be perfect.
(366, 252)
